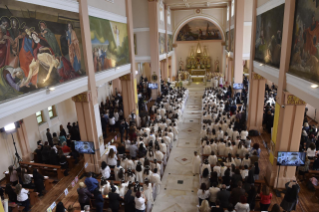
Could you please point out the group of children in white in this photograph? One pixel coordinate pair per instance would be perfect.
(223, 146)
(157, 139)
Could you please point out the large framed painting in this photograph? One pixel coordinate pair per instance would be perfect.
(304, 61)
(40, 47)
(232, 41)
(109, 42)
(268, 36)
(199, 29)
(227, 41)
(161, 43)
(169, 43)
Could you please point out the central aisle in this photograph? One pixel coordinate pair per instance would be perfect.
(179, 187)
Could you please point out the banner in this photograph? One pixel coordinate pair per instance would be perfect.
(275, 125)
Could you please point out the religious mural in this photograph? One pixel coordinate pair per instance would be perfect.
(304, 60)
(227, 41)
(268, 36)
(110, 44)
(39, 47)
(169, 43)
(161, 43)
(232, 41)
(199, 30)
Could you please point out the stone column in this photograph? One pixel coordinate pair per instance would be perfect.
(256, 103)
(88, 129)
(23, 142)
(286, 132)
(117, 85)
(154, 36)
(87, 106)
(129, 100)
(239, 37)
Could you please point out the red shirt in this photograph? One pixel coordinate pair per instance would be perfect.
(66, 149)
(265, 199)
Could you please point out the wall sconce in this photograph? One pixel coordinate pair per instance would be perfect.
(49, 89)
(314, 86)
(261, 64)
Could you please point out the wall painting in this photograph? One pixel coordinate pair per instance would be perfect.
(199, 29)
(304, 61)
(268, 36)
(109, 42)
(39, 47)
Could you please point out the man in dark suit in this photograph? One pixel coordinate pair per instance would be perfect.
(223, 197)
(129, 202)
(236, 193)
(114, 200)
(49, 137)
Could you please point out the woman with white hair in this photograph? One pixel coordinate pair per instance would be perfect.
(204, 207)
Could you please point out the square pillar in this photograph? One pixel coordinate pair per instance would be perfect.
(256, 103)
(23, 141)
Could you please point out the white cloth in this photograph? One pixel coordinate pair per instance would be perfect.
(202, 195)
(239, 207)
(23, 196)
(106, 172)
(139, 203)
(196, 161)
(112, 161)
(213, 193)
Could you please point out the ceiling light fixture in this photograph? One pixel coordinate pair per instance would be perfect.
(52, 88)
(314, 86)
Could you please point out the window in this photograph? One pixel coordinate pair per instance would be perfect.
(232, 8)
(52, 112)
(169, 20)
(227, 14)
(161, 14)
(39, 117)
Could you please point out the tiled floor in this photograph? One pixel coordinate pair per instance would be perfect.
(173, 195)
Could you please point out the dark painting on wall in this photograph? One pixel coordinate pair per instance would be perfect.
(169, 43)
(268, 36)
(109, 42)
(304, 61)
(199, 30)
(161, 43)
(227, 41)
(232, 41)
(39, 47)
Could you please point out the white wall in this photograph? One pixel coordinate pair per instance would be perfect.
(247, 40)
(118, 7)
(311, 113)
(248, 10)
(143, 43)
(66, 112)
(217, 14)
(140, 14)
(104, 91)
(7, 151)
(262, 2)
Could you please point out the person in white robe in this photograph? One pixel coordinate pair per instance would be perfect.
(156, 180)
(139, 172)
(196, 161)
(148, 192)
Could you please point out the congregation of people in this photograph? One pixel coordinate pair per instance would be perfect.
(228, 164)
(134, 167)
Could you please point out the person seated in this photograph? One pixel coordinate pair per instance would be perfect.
(22, 197)
(38, 151)
(105, 170)
(65, 148)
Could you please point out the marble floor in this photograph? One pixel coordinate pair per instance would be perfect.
(179, 186)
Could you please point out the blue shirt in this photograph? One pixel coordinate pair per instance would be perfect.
(91, 183)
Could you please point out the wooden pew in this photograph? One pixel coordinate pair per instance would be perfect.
(15, 207)
(43, 168)
(70, 159)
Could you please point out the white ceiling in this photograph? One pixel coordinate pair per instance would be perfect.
(194, 3)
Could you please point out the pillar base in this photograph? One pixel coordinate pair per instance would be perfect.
(260, 129)
(272, 175)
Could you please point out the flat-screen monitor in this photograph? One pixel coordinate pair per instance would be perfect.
(238, 86)
(84, 147)
(152, 85)
(291, 158)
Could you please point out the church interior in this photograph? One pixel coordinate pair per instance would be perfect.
(159, 105)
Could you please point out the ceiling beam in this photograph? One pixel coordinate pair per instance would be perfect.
(192, 8)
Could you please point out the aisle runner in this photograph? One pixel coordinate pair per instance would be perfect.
(179, 186)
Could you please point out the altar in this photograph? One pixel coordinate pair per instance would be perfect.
(197, 75)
